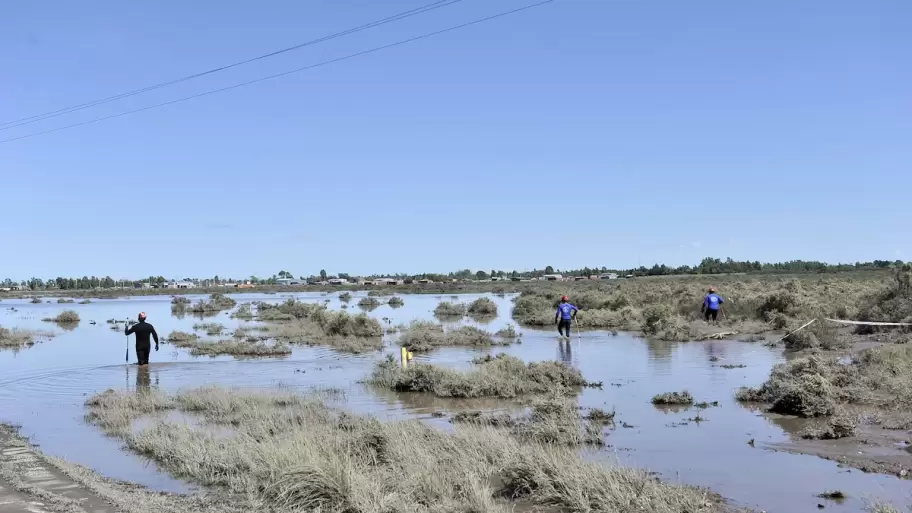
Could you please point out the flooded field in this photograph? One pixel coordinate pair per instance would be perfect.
(43, 389)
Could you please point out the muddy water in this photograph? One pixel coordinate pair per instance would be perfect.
(43, 389)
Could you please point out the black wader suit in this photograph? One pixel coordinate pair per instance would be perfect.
(143, 330)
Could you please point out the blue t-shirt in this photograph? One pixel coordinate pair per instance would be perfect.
(713, 301)
(566, 311)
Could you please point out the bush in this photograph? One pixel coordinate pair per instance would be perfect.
(345, 297)
(369, 303)
(180, 300)
(65, 301)
(396, 302)
(482, 307)
(64, 317)
(447, 309)
(673, 398)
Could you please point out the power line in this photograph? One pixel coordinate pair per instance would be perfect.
(305, 68)
(397, 17)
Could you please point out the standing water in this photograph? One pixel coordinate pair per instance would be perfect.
(43, 389)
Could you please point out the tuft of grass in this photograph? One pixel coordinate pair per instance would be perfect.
(396, 302)
(216, 303)
(840, 425)
(294, 453)
(345, 297)
(210, 328)
(244, 311)
(65, 301)
(674, 398)
(369, 303)
(16, 338)
(178, 337)
(35, 300)
(503, 376)
(833, 495)
(64, 317)
(423, 336)
(237, 347)
(180, 300)
(508, 332)
(447, 309)
(482, 307)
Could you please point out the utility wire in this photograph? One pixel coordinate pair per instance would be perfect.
(397, 17)
(305, 68)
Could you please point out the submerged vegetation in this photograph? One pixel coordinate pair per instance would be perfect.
(673, 398)
(503, 376)
(17, 338)
(216, 303)
(288, 452)
(312, 324)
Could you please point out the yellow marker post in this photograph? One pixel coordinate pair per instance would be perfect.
(404, 357)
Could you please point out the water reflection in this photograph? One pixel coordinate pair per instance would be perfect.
(565, 351)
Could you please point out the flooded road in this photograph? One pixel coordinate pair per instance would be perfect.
(43, 389)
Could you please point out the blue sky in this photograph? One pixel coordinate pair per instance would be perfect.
(583, 132)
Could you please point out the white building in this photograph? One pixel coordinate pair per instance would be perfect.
(338, 281)
(288, 281)
(553, 277)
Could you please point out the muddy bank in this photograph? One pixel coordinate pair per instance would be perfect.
(35, 483)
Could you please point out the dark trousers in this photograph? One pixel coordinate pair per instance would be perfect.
(142, 352)
(564, 323)
(710, 314)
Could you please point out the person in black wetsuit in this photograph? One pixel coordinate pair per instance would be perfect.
(143, 330)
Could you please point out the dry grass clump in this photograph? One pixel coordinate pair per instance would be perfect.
(180, 300)
(292, 453)
(178, 337)
(345, 297)
(396, 302)
(210, 328)
(840, 425)
(482, 307)
(244, 311)
(552, 420)
(369, 303)
(503, 376)
(35, 300)
(65, 301)
(314, 324)
(216, 303)
(64, 317)
(819, 386)
(893, 303)
(237, 347)
(422, 336)
(819, 335)
(674, 398)
(447, 309)
(508, 332)
(16, 338)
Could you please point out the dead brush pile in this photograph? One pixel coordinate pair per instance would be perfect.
(502, 376)
(294, 453)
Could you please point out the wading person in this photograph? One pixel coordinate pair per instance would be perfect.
(143, 331)
(712, 303)
(564, 316)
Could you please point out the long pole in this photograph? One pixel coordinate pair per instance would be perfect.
(127, 357)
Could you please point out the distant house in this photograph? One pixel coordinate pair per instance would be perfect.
(609, 276)
(387, 281)
(425, 281)
(579, 278)
(181, 285)
(553, 277)
(338, 281)
(287, 281)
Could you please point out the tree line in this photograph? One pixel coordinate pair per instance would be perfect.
(708, 265)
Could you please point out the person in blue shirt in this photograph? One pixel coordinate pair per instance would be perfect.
(564, 316)
(712, 303)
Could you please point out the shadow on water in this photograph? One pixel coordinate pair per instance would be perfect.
(43, 389)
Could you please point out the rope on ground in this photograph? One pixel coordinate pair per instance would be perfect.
(870, 323)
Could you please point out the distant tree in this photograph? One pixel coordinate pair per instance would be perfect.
(549, 270)
(481, 275)
(322, 274)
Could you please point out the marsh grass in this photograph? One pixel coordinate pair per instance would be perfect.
(244, 311)
(396, 302)
(502, 376)
(509, 332)
(345, 297)
(35, 300)
(66, 317)
(210, 328)
(314, 324)
(17, 338)
(482, 307)
(369, 303)
(294, 453)
(423, 336)
(673, 398)
(249, 346)
(446, 309)
(820, 385)
(216, 303)
(65, 301)
(669, 308)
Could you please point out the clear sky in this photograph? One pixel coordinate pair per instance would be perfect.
(582, 132)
